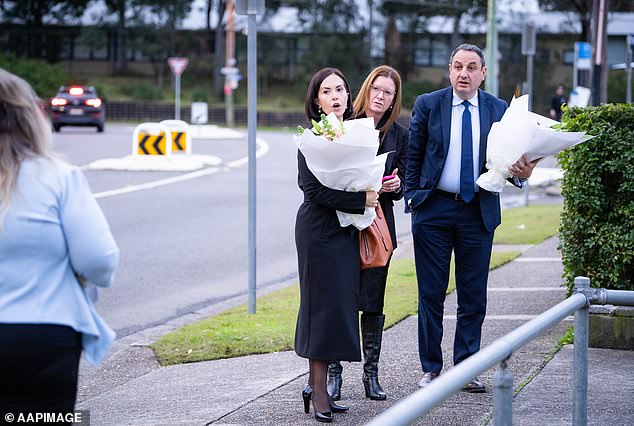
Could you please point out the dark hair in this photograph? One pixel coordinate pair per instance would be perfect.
(470, 48)
(311, 107)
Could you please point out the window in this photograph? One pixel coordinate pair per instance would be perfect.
(542, 56)
(431, 52)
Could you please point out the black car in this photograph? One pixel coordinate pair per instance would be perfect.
(77, 106)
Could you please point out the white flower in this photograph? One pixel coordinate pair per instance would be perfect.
(348, 162)
(520, 132)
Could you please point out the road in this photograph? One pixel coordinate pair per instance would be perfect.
(184, 245)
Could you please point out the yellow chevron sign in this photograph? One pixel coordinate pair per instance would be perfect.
(151, 144)
(179, 141)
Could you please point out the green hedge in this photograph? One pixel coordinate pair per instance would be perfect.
(597, 222)
(42, 76)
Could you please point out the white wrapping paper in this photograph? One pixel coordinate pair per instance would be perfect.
(519, 132)
(348, 163)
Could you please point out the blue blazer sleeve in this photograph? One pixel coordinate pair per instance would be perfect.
(426, 148)
(92, 250)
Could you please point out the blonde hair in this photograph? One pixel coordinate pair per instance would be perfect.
(25, 132)
(362, 99)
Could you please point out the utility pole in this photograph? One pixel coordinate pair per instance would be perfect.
(230, 63)
(491, 83)
(599, 41)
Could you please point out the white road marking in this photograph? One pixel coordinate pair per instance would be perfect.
(262, 149)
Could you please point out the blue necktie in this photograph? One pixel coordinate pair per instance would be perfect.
(467, 190)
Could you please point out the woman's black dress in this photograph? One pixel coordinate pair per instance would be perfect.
(372, 290)
(328, 259)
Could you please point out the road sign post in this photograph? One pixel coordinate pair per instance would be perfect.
(582, 62)
(177, 65)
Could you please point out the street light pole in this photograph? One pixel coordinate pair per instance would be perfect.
(251, 8)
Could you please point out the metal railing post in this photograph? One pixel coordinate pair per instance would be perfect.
(503, 396)
(580, 357)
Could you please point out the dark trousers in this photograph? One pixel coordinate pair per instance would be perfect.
(439, 226)
(39, 365)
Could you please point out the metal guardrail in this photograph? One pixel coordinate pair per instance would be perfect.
(422, 401)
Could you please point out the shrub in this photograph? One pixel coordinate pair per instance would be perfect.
(146, 92)
(597, 222)
(412, 90)
(617, 86)
(42, 76)
(199, 94)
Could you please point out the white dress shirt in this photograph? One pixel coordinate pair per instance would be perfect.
(450, 177)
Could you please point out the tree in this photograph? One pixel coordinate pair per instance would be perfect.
(34, 14)
(155, 22)
(583, 10)
(414, 15)
(332, 33)
(118, 7)
(217, 34)
(586, 10)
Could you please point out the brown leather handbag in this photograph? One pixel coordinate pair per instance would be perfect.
(375, 242)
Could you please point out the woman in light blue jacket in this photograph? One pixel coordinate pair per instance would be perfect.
(54, 243)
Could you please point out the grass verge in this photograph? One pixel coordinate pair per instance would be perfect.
(528, 225)
(235, 332)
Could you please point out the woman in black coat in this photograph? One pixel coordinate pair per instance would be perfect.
(379, 98)
(328, 258)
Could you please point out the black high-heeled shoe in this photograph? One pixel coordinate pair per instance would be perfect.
(307, 394)
(336, 408)
(324, 417)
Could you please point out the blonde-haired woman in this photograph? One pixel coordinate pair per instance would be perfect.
(52, 236)
(380, 99)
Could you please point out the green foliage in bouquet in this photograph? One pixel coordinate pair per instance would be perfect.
(324, 128)
(597, 221)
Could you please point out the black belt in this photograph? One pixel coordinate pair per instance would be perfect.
(453, 195)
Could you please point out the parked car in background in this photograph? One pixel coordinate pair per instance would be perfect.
(77, 106)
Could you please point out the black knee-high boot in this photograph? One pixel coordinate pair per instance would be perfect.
(372, 335)
(334, 380)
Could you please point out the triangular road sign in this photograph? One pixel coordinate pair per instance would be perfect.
(177, 65)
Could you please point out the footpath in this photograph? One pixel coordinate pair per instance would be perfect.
(131, 389)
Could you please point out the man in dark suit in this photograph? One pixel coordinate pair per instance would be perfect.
(447, 149)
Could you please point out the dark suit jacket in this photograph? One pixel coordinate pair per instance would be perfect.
(429, 133)
(394, 142)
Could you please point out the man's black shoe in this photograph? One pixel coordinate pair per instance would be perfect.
(474, 386)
